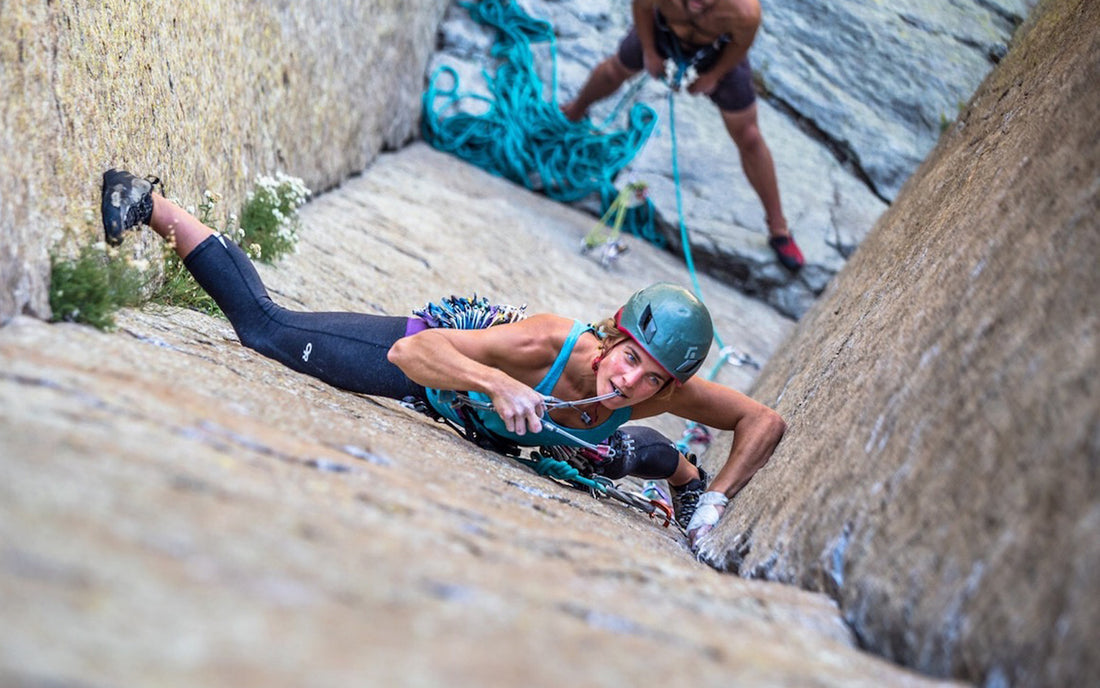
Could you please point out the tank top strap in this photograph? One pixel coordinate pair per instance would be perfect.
(546, 386)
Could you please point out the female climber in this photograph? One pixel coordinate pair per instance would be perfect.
(543, 380)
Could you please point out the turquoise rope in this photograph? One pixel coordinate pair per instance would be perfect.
(683, 445)
(683, 226)
(525, 138)
(554, 468)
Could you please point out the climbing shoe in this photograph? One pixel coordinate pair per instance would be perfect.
(686, 497)
(127, 202)
(787, 251)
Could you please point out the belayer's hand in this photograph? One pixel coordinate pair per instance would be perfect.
(704, 84)
(708, 510)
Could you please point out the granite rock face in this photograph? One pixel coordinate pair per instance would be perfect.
(940, 476)
(208, 95)
(178, 510)
(853, 96)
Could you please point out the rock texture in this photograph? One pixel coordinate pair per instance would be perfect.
(205, 94)
(177, 510)
(884, 80)
(940, 477)
(854, 95)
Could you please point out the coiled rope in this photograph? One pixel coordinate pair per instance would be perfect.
(524, 137)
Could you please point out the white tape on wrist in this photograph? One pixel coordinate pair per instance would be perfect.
(708, 510)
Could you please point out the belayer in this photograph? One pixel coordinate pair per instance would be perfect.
(639, 363)
(713, 38)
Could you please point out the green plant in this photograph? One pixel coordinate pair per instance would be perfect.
(267, 230)
(95, 284)
(92, 286)
(269, 219)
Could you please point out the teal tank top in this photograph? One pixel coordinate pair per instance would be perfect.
(443, 401)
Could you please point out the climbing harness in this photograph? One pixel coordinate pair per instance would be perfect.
(564, 463)
(681, 68)
(524, 137)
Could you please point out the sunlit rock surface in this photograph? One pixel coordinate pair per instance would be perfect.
(177, 510)
(940, 474)
(205, 94)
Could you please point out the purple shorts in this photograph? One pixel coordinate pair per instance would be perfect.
(734, 90)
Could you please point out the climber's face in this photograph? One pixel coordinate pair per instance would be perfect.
(627, 369)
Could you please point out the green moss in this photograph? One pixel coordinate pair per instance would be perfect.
(91, 287)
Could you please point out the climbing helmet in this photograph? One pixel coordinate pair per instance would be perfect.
(671, 325)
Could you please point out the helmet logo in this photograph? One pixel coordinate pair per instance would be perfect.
(689, 366)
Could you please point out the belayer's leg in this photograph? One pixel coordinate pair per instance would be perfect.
(604, 80)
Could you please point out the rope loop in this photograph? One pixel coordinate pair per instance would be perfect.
(524, 137)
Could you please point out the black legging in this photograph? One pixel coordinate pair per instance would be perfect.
(345, 350)
(348, 350)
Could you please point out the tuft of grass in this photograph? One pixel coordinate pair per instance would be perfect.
(92, 286)
(269, 219)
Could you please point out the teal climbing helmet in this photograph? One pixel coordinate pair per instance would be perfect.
(671, 325)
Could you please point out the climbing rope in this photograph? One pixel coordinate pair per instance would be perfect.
(694, 433)
(521, 135)
(598, 486)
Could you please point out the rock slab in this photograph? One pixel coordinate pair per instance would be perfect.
(940, 477)
(176, 510)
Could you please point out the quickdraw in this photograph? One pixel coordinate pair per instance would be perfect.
(544, 462)
(608, 229)
(598, 486)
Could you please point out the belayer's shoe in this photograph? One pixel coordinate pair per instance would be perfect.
(686, 497)
(787, 251)
(127, 203)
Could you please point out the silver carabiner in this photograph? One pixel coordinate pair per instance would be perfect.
(552, 402)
